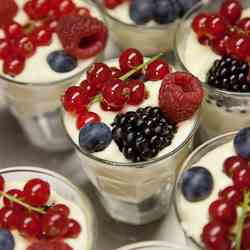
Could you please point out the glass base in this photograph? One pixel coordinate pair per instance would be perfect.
(144, 212)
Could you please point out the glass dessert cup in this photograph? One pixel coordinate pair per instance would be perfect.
(148, 39)
(153, 245)
(193, 158)
(64, 188)
(135, 193)
(222, 111)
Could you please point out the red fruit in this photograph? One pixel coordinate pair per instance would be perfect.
(136, 92)
(9, 218)
(130, 59)
(13, 30)
(98, 75)
(85, 118)
(36, 192)
(180, 96)
(56, 244)
(26, 47)
(223, 211)
(14, 65)
(111, 4)
(83, 11)
(51, 25)
(232, 163)
(61, 208)
(42, 36)
(115, 92)
(41, 8)
(30, 11)
(204, 40)
(17, 194)
(64, 8)
(216, 27)
(54, 224)
(231, 195)
(82, 36)
(241, 178)
(199, 24)
(75, 99)
(2, 183)
(244, 24)
(30, 225)
(73, 229)
(5, 48)
(157, 70)
(219, 46)
(215, 236)
(8, 10)
(107, 107)
(116, 73)
(231, 10)
(88, 88)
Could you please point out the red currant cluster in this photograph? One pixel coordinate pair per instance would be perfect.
(21, 42)
(111, 4)
(226, 230)
(27, 211)
(225, 32)
(110, 86)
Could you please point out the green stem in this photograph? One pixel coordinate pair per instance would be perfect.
(240, 224)
(16, 200)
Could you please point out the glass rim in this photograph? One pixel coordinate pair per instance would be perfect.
(91, 221)
(138, 165)
(192, 11)
(130, 25)
(184, 166)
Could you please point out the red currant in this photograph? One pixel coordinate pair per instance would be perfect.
(107, 107)
(8, 218)
(232, 163)
(30, 225)
(14, 65)
(231, 10)
(116, 73)
(5, 48)
(64, 8)
(61, 208)
(88, 88)
(42, 36)
(36, 192)
(130, 59)
(54, 224)
(30, 11)
(199, 24)
(244, 24)
(157, 70)
(98, 74)
(111, 4)
(216, 27)
(51, 25)
(26, 47)
(115, 92)
(241, 178)
(85, 118)
(17, 194)
(73, 229)
(13, 30)
(83, 11)
(2, 183)
(136, 92)
(223, 211)
(41, 8)
(232, 195)
(219, 46)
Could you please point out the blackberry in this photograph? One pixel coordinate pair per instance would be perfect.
(142, 134)
(229, 74)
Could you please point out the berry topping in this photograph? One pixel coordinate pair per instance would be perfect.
(219, 45)
(157, 70)
(199, 24)
(180, 96)
(89, 89)
(232, 163)
(36, 192)
(95, 137)
(61, 208)
(14, 65)
(136, 92)
(25, 46)
(229, 74)
(8, 218)
(87, 117)
(73, 229)
(64, 8)
(242, 143)
(7, 241)
(41, 8)
(42, 36)
(231, 10)
(49, 245)
(241, 178)
(111, 4)
(8, 10)
(82, 36)
(232, 195)
(17, 194)
(216, 26)
(2, 183)
(13, 30)
(197, 184)
(60, 62)
(5, 48)
(244, 24)
(141, 135)
(130, 59)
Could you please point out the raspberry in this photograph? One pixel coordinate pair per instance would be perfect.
(82, 36)
(49, 245)
(180, 96)
(8, 10)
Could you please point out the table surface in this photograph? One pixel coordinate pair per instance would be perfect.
(15, 150)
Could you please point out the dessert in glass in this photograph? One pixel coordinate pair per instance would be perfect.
(40, 209)
(213, 190)
(44, 47)
(144, 24)
(216, 34)
(131, 130)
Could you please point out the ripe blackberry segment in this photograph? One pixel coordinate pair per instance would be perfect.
(142, 134)
(229, 74)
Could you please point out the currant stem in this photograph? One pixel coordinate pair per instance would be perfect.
(239, 231)
(16, 200)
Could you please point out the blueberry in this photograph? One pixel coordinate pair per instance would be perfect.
(166, 11)
(242, 143)
(141, 11)
(7, 241)
(61, 62)
(186, 5)
(197, 184)
(95, 137)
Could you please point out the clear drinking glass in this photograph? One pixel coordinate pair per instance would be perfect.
(193, 158)
(64, 188)
(222, 111)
